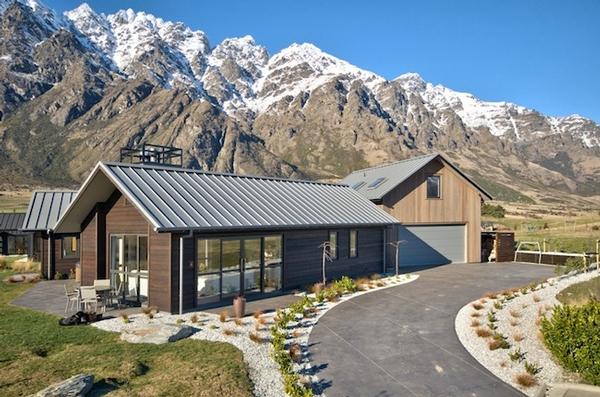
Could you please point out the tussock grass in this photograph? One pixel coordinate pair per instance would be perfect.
(475, 314)
(515, 313)
(518, 337)
(514, 322)
(536, 298)
(475, 323)
(477, 306)
(223, 316)
(483, 332)
(525, 380)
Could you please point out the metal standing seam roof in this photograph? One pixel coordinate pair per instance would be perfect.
(185, 199)
(45, 208)
(11, 221)
(395, 173)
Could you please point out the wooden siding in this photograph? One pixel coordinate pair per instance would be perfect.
(159, 269)
(60, 265)
(189, 275)
(460, 203)
(303, 257)
(89, 249)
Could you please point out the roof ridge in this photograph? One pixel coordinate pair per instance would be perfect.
(226, 174)
(432, 155)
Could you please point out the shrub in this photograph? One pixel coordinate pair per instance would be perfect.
(257, 314)
(498, 342)
(125, 318)
(492, 316)
(475, 314)
(571, 334)
(571, 264)
(494, 211)
(498, 305)
(223, 316)
(536, 298)
(517, 356)
(296, 352)
(238, 321)
(346, 284)
(525, 380)
(532, 368)
(228, 332)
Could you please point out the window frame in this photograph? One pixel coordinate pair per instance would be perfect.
(337, 245)
(350, 232)
(439, 187)
(74, 254)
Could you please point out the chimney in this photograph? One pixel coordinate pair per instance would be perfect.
(147, 153)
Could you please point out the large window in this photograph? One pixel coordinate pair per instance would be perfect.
(228, 265)
(333, 245)
(209, 269)
(353, 242)
(129, 266)
(433, 186)
(272, 259)
(70, 247)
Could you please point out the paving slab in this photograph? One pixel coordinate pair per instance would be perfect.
(401, 341)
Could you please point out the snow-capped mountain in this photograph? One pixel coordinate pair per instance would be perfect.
(233, 106)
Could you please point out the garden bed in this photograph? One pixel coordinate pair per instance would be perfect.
(501, 331)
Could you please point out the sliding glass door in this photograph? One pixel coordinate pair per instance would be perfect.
(228, 266)
(129, 267)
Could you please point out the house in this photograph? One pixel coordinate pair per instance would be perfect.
(57, 252)
(13, 241)
(438, 206)
(180, 238)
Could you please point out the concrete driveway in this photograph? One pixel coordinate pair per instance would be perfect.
(401, 341)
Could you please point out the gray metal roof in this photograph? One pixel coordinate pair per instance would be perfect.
(11, 221)
(392, 174)
(185, 199)
(45, 208)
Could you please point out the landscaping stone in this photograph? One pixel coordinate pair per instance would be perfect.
(75, 386)
(156, 333)
(22, 278)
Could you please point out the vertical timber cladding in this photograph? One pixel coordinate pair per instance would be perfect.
(302, 262)
(123, 218)
(89, 248)
(460, 203)
(189, 272)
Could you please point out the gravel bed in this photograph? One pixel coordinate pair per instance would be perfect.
(263, 370)
(526, 308)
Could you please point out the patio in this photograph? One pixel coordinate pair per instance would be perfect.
(49, 297)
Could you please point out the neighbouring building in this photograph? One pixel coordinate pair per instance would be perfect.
(12, 240)
(437, 205)
(57, 252)
(181, 238)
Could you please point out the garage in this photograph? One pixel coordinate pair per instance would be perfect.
(432, 244)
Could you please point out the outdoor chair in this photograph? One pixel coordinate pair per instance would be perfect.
(72, 297)
(89, 298)
(104, 290)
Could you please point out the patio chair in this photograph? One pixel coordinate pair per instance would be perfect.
(103, 289)
(89, 298)
(72, 297)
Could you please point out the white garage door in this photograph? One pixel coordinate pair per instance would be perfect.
(432, 245)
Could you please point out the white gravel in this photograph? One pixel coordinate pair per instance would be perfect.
(498, 361)
(263, 370)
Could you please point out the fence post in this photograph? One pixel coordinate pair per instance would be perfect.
(585, 263)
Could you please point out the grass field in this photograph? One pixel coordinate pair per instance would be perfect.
(35, 352)
(14, 201)
(580, 293)
(566, 234)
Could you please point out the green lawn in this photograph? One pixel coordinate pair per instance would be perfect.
(35, 352)
(580, 293)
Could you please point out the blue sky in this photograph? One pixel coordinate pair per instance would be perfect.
(540, 54)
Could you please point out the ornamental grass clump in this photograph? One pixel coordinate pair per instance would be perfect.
(477, 305)
(571, 334)
(346, 285)
(483, 332)
(532, 368)
(517, 356)
(223, 316)
(498, 342)
(125, 318)
(525, 380)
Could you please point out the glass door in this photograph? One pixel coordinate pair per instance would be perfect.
(251, 262)
(231, 270)
(129, 267)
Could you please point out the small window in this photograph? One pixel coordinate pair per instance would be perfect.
(377, 182)
(333, 240)
(70, 247)
(358, 185)
(433, 186)
(353, 252)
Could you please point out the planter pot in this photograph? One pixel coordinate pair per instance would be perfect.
(239, 306)
(318, 287)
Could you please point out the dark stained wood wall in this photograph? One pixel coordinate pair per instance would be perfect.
(159, 267)
(189, 275)
(61, 265)
(303, 257)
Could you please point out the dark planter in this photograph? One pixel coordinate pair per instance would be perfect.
(239, 306)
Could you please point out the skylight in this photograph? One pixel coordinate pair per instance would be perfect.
(358, 185)
(377, 182)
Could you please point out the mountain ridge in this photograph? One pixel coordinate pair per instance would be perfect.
(84, 84)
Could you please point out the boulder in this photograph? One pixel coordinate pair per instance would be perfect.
(75, 386)
(156, 333)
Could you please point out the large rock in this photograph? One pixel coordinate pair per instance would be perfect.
(156, 333)
(75, 386)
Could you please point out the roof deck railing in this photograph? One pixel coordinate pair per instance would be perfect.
(147, 153)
